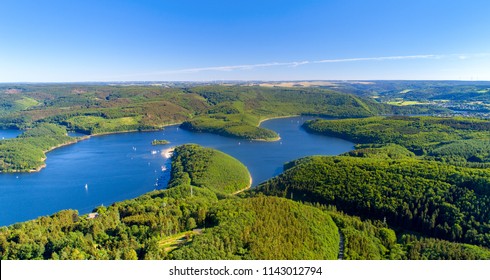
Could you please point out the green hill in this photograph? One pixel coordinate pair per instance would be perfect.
(27, 152)
(432, 198)
(193, 165)
(462, 141)
(262, 228)
(236, 111)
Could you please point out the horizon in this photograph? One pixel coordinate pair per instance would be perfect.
(140, 41)
(242, 81)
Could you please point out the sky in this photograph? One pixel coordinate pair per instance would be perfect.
(191, 40)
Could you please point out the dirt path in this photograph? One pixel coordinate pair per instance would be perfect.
(248, 187)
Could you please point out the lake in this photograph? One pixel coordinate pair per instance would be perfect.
(9, 133)
(110, 168)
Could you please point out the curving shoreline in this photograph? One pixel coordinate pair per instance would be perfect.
(227, 146)
(280, 117)
(273, 118)
(39, 168)
(167, 153)
(247, 188)
(78, 139)
(82, 138)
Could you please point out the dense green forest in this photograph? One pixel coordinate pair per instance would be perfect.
(195, 166)
(27, 152)
(432, 198)
(461, 141)
(375, 240)
(264, 228)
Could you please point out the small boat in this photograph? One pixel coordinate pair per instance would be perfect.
(164, 168)
(154, 152)
(86, 186)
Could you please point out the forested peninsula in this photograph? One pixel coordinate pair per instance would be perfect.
(27, 152)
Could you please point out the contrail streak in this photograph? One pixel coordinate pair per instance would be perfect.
(306, 62)
(297, 63)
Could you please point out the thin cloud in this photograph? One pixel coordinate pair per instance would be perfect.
(296, 63)
(236, 67)
(230, 68)
(381, 58)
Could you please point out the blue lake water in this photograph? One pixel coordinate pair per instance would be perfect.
(123, 166)
(9, 133)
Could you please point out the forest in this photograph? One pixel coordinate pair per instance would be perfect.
(438, 200)
(207, 222)
(28, 151)
(195, 166)
(415, 187)
(238, 110)
(460, 141)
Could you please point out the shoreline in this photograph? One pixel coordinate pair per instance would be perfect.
(85, 137)
(247, 188)
(79, 139)
(267, 140)
(131, 131)
(167, 153)
(273, 118)
(39, 168)
(280, 117)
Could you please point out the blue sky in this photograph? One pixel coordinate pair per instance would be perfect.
(105, 40)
